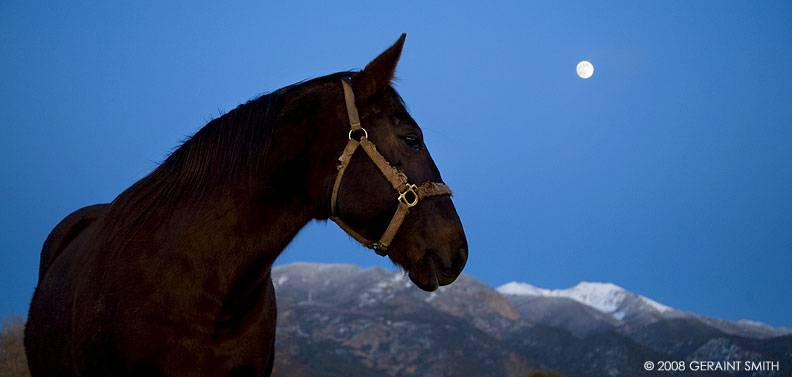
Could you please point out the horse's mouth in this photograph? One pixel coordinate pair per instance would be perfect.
(428, 277)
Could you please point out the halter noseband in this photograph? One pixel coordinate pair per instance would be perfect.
(408, 194)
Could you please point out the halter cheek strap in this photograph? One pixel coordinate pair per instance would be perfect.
(408, 194)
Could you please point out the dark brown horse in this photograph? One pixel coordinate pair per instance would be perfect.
(173, 277)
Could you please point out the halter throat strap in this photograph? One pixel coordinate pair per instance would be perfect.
(408, 194)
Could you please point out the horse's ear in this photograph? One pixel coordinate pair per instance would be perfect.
(378, 74)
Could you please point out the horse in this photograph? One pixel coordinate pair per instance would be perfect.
(173, 277)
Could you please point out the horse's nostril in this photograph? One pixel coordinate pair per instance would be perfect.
(461, 259)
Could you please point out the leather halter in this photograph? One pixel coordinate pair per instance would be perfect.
(408, 194)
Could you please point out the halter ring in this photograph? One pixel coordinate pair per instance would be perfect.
(365, 134)
(409, 202)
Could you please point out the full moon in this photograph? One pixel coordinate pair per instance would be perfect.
(585, 69)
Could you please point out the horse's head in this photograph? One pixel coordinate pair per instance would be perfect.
(403, 183)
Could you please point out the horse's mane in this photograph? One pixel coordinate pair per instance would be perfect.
(226, 151)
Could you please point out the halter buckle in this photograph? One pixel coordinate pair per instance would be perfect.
(409, 201)
(383, 252)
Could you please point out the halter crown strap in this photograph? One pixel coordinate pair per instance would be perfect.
(349, 99)
(409, 194)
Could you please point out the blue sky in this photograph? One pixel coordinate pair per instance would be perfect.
(669, 172)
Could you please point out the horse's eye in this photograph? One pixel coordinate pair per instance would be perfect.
(412, 141)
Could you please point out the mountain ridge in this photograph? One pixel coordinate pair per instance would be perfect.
(336, 320)
(604, 297)
(621, 304)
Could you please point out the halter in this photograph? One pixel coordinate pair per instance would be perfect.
(408, 194)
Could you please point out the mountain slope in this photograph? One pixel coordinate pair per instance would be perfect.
(564, 313)
(372, 321)
(626, 309)
(341, 320)
(606, 298)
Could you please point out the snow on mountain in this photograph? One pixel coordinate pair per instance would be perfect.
(622, 306)
(522, 289)
(585, 309)
(605, 297)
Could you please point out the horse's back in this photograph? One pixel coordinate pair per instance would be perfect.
(65, 311)
(49, 319)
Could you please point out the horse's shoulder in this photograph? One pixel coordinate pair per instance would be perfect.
(66, 231)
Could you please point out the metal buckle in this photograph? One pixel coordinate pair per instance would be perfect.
(409, 202)
(379, 250)
(365, 134)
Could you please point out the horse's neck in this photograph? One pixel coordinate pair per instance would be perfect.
(261, 227)
(228, 234)
(242, 222)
